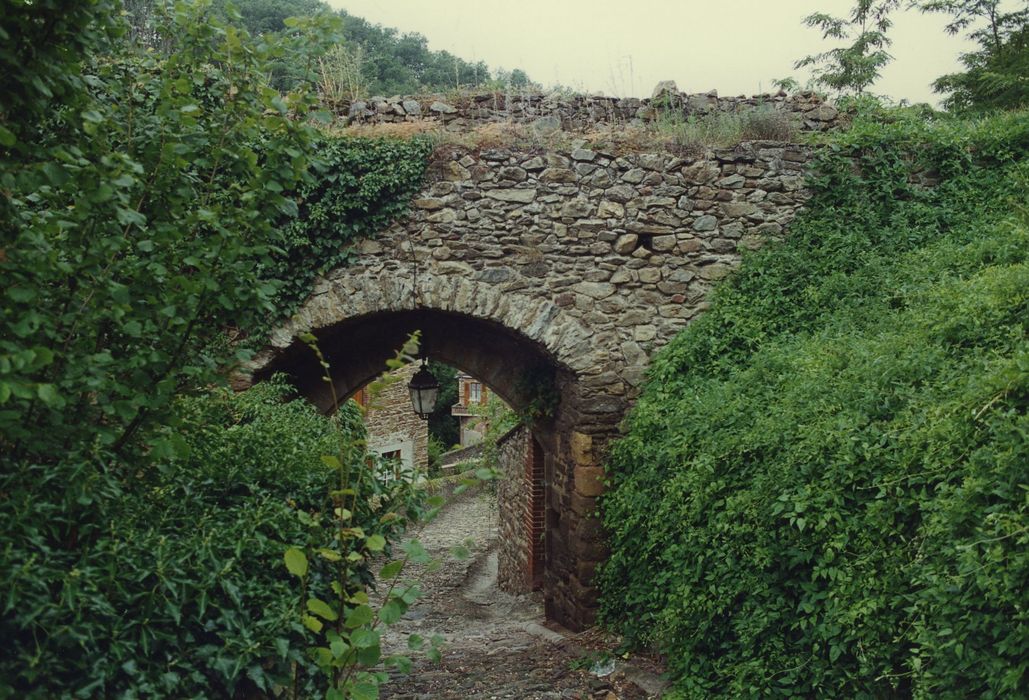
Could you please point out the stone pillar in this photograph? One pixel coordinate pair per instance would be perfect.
(576, 543)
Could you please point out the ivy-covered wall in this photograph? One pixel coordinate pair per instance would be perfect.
(822, 489)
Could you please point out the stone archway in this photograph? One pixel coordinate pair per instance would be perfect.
(518, 347)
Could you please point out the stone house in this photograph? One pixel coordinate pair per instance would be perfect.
(471, 393)
(394, 429)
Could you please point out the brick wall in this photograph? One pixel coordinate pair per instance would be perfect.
(520, 497)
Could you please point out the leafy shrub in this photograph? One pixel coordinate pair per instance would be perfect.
(176, 587)
(698, 133)
(822, 488)
(141, 530)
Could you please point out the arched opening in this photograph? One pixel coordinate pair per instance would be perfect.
(558, 479)
(357, 349)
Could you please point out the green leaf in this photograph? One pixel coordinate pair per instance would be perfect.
(331, 461)
(329, 554)
(312, 623)
(416, 552)
(21, 294)
(322, 655)
(364, 638)
(364, 691)
(401, 663)
(358, 616)
(47, 393)
(321, 609)
(390, 612)
(376, 543)
(391, 570)
(296, 562)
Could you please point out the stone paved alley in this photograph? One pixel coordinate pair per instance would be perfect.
(497, 645)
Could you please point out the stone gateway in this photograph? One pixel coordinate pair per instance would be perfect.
(548, 274)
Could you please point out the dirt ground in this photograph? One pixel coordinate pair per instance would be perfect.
(497, 645)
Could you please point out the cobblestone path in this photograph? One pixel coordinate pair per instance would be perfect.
(496, 644)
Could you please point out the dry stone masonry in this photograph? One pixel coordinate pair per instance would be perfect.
(575, 113)
(602, 259)
(582, 261)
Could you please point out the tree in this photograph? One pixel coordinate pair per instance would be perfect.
(443, 426)
(997, 75)
(854, 67)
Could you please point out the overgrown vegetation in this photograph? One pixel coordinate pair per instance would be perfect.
(855, 66)
(822, 492)
(145, 195)
(696, 134)
(995, 75)
(356, 188)
(364, 509)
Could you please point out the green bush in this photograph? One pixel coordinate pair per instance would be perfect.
(144, 516)
(176, 587)
(822, 491)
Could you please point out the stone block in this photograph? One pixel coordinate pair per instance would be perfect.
(626, 243)
(522, 196)
(663, 243)
(581, 446)
(705, 223)
(609, 209)
(429, 203)
(595, 290)
(589, 481)
(558, 175)
(737, 209)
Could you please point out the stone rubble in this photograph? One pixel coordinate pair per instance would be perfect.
(551, 112)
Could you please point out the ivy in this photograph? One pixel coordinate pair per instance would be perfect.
(360, 187)
(821, 492)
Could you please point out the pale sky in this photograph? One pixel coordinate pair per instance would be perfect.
(626, 47)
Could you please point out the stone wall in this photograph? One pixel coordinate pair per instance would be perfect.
(628, 246)
(394, 426)
(520, 501)
(807, 110)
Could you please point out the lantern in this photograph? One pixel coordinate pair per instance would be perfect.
(424, 389)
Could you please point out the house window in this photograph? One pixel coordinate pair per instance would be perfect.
(475, 392)
(392, 455)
